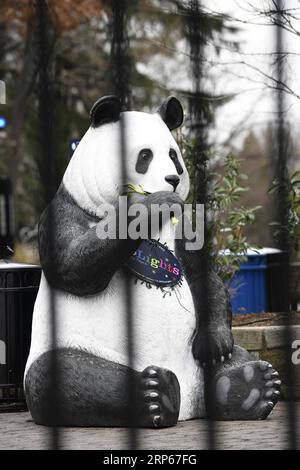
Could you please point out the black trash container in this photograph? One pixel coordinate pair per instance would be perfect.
(19, 284)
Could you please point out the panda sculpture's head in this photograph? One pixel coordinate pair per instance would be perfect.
(153, 158)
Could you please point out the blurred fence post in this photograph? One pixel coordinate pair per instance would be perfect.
(46, 168)
(283, 214)
(121, 80)
(7, 228)
(195, 37)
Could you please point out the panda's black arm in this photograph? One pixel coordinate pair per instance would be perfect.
(213, 337)
(73, 258)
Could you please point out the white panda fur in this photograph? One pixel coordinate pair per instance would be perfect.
(163, 326)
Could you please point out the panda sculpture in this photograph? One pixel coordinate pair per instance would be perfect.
(88, 278)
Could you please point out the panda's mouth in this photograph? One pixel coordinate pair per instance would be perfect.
(147, 193)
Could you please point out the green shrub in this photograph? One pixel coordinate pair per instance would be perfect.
(226, 218)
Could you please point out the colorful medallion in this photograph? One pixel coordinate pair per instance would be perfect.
(155, 264)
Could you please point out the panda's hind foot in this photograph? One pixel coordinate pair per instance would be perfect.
(247, 391)
(159, 397)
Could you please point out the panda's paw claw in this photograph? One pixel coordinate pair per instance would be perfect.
(156, 421)
(151, 396)
(159, 397)
(152, 372)
(154, 408)
(216, 361)
(150, 383)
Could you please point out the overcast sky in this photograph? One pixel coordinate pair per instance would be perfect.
(254, 102)
(254, 105)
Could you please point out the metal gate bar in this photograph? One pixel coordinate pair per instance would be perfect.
(194, 22)
(45, 138)
(121, 85)
(282, 213)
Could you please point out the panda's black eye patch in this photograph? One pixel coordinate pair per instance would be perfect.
(174, 157)
(143, 161)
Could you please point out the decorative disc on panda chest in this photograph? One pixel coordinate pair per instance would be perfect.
(154, 263)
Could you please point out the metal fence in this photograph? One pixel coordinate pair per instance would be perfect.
(192, 14)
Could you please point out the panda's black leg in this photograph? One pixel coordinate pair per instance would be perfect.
(90, 391)
(244, 388)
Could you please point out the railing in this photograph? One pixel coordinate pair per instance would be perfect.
(192, 15)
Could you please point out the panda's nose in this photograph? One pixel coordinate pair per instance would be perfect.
(173, 180)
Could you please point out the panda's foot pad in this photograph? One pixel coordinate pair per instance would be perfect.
(159, 397)
(248, 391)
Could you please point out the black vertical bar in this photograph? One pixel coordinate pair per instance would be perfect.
(45, 138)
(284, 236)
(6, 218)
(121, 82)
(195, 31)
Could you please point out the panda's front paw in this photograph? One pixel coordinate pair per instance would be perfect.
(213, 345)
(164, 197)
(157, 198)
(159, 397)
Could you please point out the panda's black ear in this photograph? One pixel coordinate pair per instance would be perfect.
(106, 109)
(171, 112)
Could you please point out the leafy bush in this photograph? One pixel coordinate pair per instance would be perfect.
(227, 220)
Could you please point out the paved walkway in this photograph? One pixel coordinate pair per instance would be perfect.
(17, 431)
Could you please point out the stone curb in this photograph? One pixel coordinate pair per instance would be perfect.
(255, 338)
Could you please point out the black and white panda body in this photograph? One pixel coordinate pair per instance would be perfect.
(88, 279)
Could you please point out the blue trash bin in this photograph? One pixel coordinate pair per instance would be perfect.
(249, 287)
(261, 284)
